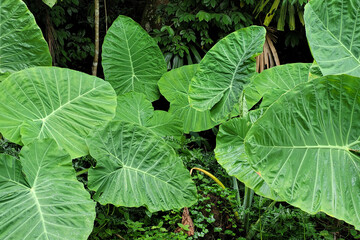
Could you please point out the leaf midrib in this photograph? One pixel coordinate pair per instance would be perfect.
(38, 206)
(130, 59)
(347, 147)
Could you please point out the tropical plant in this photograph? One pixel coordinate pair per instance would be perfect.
(141, 170)
(310, 153)
(174, 86)
(41, 197)
(302, 145)
(50, 102)
(223, 72)
(61, 114)
(305, 145)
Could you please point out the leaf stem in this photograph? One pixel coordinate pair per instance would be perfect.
(210, 175)
(249, 193)
(82, 172)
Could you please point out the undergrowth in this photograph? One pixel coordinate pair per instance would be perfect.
(216, 215)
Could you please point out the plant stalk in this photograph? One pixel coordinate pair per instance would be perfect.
(249, 193)
(236, 187)
(82, 172)
(210, 175)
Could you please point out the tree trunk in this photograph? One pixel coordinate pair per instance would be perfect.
(96, 54)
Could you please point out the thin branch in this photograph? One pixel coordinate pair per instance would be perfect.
(96, 55)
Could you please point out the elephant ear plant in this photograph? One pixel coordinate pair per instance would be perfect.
(41, 197)
(306, 144)
(224, 71)
(305, 147)
(60, 114)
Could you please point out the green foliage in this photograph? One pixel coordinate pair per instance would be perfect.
(50, 3)
(42, 188)
(272, 83)
(215, 213)
(224, 71)
(47, 101)
(305, 146)
(284, 12)
(284, 222)
(324, 131)
(140, 171)
(174, 86)
(68, 31)
(18, 50)
(72, 43)
(342, 36)
(230, 153)
(139, 224)
(131, 59)
(51, 112)
(133, 107)
(128, 223)
(190, 27)
(9, 148)
(307, 156)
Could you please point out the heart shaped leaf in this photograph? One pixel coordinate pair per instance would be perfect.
(43, 199)
(131, 59)
(135, 167)
(275, 81)
(306, 145)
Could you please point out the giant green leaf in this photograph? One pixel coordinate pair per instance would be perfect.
(49, 102)
(131, 59)
(333, 33)
(230, 153)
(135, 167)
(225, 69)
(174, 86)
(306, 145)
(133, 107)
(273, 82)
(21, 42)
(40, 197)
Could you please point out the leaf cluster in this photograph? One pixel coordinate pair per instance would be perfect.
(190, 28)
